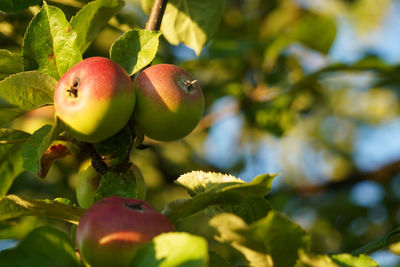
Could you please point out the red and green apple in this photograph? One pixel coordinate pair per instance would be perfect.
(170, 102)
(113, 229)
(94, 99)
(86, 187)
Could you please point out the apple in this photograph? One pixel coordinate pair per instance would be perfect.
(86, 187)
(94, 99)
(169, 102)
(137, 174)
(111, 231)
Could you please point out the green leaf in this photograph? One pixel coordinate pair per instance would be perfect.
(12, 206)
(115, 150)
(274, 237)
(37, 144)
(217, 260)
(250, 210)
(23, 92)
(45, 246)
(196, 182)
(173, 249)
(343, 260)
(310, 26)
(10, 63)
(281, 237)
(193, 23)
(11, 142)
(117, 184)
(232, 230)
(11, 6)
(304, 31)
(18, 229)
(91, 18)
(50, 43)
(338, 260)
(135, 49)
(217, 194)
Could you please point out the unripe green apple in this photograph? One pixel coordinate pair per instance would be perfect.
(111, 230)
(169, 102)
(87, 184)
(94, 99)
(139, 179)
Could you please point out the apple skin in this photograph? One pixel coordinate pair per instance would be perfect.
(169, 102)
(94, 99)
(111, 230)
(86, 187)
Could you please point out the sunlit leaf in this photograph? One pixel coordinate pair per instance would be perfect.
(192, 23)
(50, 43)
(12, 206)
(335, 260)
(23, 92)
(174, 249)
(91, 18)
(135, 49)
(196, 182)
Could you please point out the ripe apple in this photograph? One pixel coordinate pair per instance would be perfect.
(94, 99)
(87, 184)
(111, 230)
(169, 102)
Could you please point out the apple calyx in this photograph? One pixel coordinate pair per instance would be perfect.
(189, 85)
(73, 90)
(135, 206)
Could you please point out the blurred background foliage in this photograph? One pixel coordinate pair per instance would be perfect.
(306, 88)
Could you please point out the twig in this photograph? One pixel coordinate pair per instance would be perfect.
(156, 15)
(387, 240)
